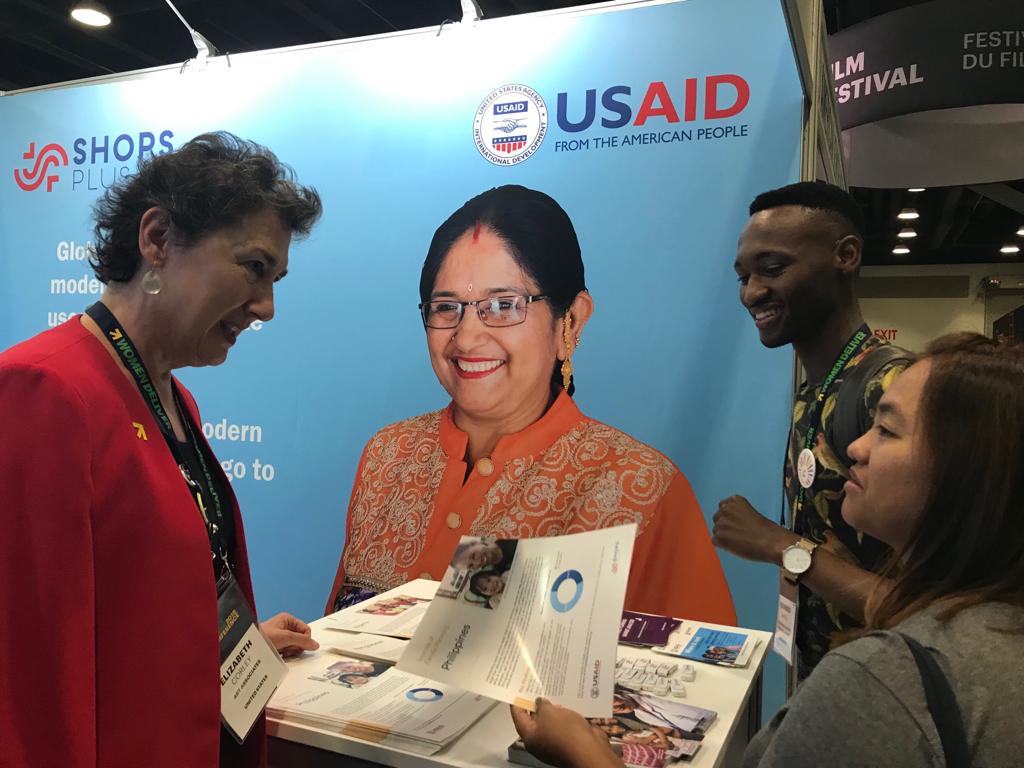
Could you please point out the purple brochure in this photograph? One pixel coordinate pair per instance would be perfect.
(646, 628)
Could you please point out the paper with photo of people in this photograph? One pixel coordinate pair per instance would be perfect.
(645, 730)
(395, 613)
(710, 645)
(517, 619)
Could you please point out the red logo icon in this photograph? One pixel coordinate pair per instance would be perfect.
(52, 155)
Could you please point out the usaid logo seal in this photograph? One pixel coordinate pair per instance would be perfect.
(510, 124)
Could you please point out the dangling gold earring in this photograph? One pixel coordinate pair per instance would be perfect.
(567, 363)
(151, 282)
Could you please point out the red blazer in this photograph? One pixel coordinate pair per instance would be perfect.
(108, 609)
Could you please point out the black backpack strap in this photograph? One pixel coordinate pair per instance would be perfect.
(942, 705)
(846, 423)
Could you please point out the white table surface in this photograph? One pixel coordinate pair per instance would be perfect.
(723, 689)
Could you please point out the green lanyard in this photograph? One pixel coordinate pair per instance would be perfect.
(123, 347)
(819, 404)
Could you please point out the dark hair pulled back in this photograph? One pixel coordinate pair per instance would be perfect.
(538, 234)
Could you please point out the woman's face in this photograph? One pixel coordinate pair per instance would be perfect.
(886, 493)
(497, 375)
(215, 288)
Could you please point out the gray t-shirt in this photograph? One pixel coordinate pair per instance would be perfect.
(864, 705)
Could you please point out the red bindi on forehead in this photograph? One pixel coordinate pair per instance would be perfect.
(476, 231)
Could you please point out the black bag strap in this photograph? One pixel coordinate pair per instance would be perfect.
(942, 705)
(846, 424)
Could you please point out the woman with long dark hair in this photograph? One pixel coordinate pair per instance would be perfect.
(935, 677)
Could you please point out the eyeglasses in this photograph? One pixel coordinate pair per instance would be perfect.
(494, 311)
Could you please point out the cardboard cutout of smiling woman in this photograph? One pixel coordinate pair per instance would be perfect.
(504, 305)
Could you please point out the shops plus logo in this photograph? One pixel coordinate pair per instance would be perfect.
(30, 178)
(97, 162)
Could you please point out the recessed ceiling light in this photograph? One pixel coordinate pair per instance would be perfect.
(915, 189)
(91, 14)
(907, 214)
(899, 250)
(906, 232)
(1010, 248)
(1020, 232)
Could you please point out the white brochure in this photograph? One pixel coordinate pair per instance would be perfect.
(516, 619)
(374, 701)
(395, 613)
(360, 645)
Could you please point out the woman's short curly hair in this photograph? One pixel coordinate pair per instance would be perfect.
(211, 182)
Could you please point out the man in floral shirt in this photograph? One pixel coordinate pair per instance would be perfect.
(797, 261)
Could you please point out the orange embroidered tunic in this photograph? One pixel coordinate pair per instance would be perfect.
(566, 473)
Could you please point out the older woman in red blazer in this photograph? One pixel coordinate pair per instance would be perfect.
(109, 652)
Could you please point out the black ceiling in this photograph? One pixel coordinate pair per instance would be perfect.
(40, 45)
(956, 225)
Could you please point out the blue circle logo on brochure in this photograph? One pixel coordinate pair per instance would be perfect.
(564, 606)
(510, 124)
(424, 695)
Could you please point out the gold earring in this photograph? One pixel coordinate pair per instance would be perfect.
(151, 282)
(567, 363)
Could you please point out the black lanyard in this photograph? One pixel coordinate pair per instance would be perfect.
(122, 345)
(819, 404)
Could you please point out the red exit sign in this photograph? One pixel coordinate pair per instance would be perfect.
(889, 334)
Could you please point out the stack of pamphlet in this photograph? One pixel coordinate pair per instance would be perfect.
(378, 629)
(710, 645)
(511, 620)
(375, 702)
(395, 613)
(351, 686)
(646, 629)
(645, 730)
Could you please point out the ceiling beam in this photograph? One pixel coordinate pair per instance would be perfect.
(143, 57)
(1003, 194)
(33, 40)
(942, 228)
(325, 25)
(374, 12)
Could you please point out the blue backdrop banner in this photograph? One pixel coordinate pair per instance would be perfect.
(653, 125)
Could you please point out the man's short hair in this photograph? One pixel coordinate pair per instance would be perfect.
(818, 195)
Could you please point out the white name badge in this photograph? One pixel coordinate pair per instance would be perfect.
(806, 468)
(785, 621)
(250, 668)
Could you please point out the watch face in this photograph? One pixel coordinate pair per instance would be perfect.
(796, 559)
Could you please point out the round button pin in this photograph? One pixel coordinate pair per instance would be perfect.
(806, 468)
(485, 466)
(454, 520)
